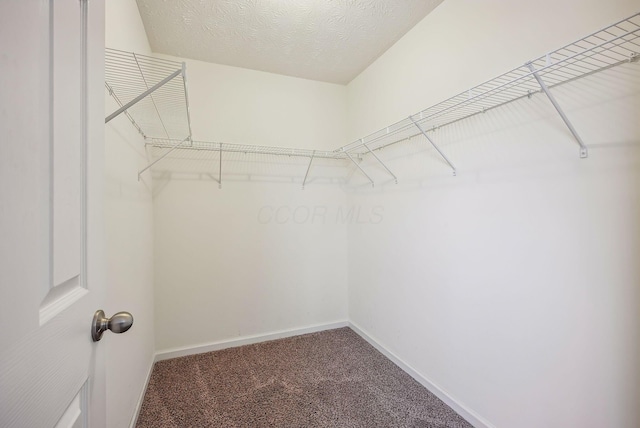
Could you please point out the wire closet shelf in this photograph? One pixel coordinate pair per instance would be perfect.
(604, 49)
(152, 92)
(245, 148)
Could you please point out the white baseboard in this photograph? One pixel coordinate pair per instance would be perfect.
(136, 413)
(246, 340)
(468, 414)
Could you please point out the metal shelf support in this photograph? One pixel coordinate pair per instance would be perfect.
(308, 168)
(143, 95)
(126, 113)
(583, 148)
(381, 163)
(161, 157)
(220, 168)
(186, 98)
(434, 145)
(360, 168)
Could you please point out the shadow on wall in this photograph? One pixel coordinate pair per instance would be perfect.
(516, 141)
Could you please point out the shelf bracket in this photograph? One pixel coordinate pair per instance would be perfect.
(308, 168)
(175, 146)
(380, 161)
(434, 145)
(131, 119)
(186, 99)
(583, 148)
(220, 168)
(360, 168)
(143, 95)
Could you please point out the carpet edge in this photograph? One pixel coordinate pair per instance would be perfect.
(469, 415)
(167, 354)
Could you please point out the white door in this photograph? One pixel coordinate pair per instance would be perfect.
(51, 230)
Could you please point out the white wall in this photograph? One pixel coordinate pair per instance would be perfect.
(129, 232)
(241, 106)
(246, 260)
(250, 258)
(514, 286)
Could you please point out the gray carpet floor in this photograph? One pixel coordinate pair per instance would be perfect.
(329, 379)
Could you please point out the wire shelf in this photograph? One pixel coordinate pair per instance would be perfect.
(609, 47)
(163, 116)
(230, 162)
(164, 113)
(243, 148)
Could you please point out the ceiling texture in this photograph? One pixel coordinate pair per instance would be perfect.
(326, 40)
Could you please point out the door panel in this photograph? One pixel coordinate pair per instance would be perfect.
(51, 254)
(68, 24)
(75, 415)
(68, 20)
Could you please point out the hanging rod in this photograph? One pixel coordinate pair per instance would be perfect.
(614, 45)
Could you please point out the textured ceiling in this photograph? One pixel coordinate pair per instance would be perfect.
(327, 40)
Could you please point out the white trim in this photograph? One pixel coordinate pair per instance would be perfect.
(472, 417)
(50, 309)
(136, 413)
(245, 340)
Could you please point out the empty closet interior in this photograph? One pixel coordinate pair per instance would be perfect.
(469, 203)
